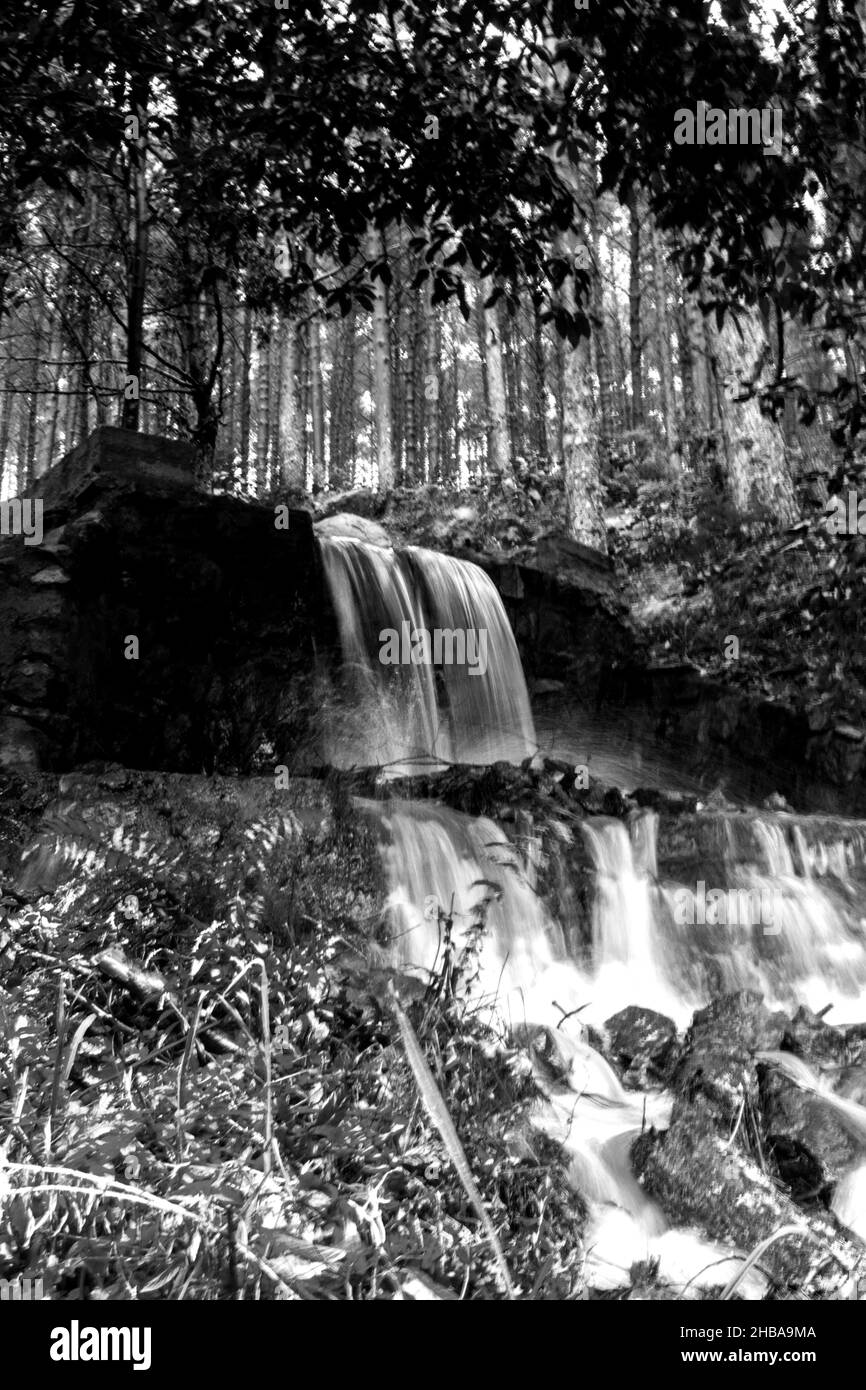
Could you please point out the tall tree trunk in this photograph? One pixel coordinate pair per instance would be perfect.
(622, 410)
(601, 343)
(687, 367)
(508, 329)
(584, 515)
(263, 405)
(432, 389)
(753, 445)
(539, 383)
(412, 412)
(53, 401)
(499, 457)
(232, 421)
(450, 465)
(138, 256)
(634, 313)
(347, 402)
(336, 340)
(246, 394)
(383, 405)
(33, 397)
(7, 484)
(584, 518)
(290, 450)
(665, 348)
(317, 397)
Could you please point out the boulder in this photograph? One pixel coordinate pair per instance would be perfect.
(22, 748)
(718, 1059)
(643, 1044)
(700, 1178)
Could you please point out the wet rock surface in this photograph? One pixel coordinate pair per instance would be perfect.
(643, 1044)
(747, 1151)
(719, 1053)
(702, 1178)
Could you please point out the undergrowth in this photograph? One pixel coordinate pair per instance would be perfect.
(220, 1106)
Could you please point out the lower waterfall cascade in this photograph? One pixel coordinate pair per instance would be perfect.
(654, 940)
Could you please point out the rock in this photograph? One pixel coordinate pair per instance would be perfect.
(718, 1061)
(700, 1179)
(809, 1146)
(643, 1043)
(358, 528)
(22, 748)
(28, 682)
(52, 575)
(666, 802)
(809, 1036)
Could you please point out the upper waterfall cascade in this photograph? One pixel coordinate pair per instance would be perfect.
(411, 711)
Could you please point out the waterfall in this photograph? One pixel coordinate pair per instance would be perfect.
(779, 912)
(436, 859)
(647, 950)
(469, 705)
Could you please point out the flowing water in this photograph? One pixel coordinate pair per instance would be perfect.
(404, 714)
(779, 911)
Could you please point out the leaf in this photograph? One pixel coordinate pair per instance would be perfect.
(438, 1112)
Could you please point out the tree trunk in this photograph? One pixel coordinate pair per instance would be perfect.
(263, 405)
(138, 254)
(411, 411)
(634, 314)
(539, 383)
(509, 332)
(432, 391)
(499, 455)
(383, 405)
(246, 369)
(688, 369)
(50, 433)
(665, 349)
(317, 398)
(602, 347)
(622, 407)
(584, 518)
(290, 448)
(753, 445)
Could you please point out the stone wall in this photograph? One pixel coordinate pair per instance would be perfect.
(226, 611)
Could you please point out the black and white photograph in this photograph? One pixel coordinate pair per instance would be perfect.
(432, 672)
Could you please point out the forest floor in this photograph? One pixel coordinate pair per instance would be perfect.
(212, 1105)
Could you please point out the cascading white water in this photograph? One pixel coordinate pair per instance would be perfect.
(435, 856)
(439, 859)
(642, 950)
(810, 950)
(399, 715)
